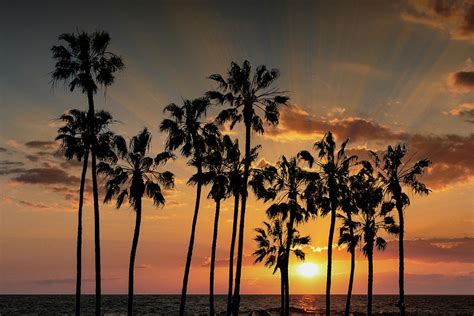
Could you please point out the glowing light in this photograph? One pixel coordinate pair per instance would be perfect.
(309, 270)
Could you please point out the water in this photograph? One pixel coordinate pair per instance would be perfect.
(198, 304)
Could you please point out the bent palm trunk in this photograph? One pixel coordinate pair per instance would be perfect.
(351, 276)
(79, 235)
(213, 258)
(133, 253)
(329, 269)
(95, 192)
(189, 256)
(240, 249)
(370, 280)
(231, 253)
(401, 263)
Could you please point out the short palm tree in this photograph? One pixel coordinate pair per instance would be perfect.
(347, 236)
(136, 175)
(247, 92)
(396, 172)
(333, 172)
(215, 174)
(75, 143)
(373, 215)
(85, 63)
(272, 250)
(235, 172)
(186, 131)
(286, 183)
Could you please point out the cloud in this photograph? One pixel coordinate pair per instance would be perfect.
(9, 171)
(461, 81)
(465, 111)
(451, 155)
(46, 176)
(3, 150)
(454, 17)
(40, 144)
(39, 206)
(297, 124)
(6, 163)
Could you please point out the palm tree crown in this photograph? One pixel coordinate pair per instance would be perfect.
(84, 61)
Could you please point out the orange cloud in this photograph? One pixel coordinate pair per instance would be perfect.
(461, 81)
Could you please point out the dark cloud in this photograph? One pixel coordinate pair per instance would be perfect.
(32, 158)
(40, 144)
(9, 171)
(461, 81)
(3, 150)
(454, 17)
(39, 206)
(451, 155)
(297, 124)
(7, 163)
(464, 111)
(46, 176)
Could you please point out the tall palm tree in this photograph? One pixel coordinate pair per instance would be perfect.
(334, 171)
(373, 215)
(186, 131)
(287, 183)
(136, 175)
(272, 247)
(75, 142)
(235, 172)
(246, 92)
(348, 237)
(396, 172)
(85, 63)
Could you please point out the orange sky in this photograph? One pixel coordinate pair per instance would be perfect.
(377, 72)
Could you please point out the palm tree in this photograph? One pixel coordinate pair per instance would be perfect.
(235, 166)
(246, 92)
(272, 247)
(334, 171)
(348, 237)
(186, 131)
(396, 173)
(74, 137)
(84, 62)
(287, 183)
(135, 176)
(373, 215)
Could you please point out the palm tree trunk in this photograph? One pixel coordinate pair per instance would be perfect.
(79, 234)
(282, 292)
(231, 253)
(213, 258)
(240, 248)
(289, 241)
(329, 269)
(133, 253)
(95, 192)
(370, 280)
(401, 262)
(351, 276)
(189, 256)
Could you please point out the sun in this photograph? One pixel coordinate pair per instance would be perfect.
(309, 270)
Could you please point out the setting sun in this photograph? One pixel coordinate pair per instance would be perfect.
(309, 270)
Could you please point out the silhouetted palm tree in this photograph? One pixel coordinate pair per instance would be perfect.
(186, 131)
(347, 236)
(246, 92)
(85, 63)
(272, 243)
(75, 142)
(287, 183)
(373, 215)
(395, 172)
(334, 171)
(135, 176)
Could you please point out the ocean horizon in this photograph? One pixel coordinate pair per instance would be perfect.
(258, 304)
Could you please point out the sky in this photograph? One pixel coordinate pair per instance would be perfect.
(377, 72)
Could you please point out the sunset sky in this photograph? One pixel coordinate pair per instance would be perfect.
(378, 72)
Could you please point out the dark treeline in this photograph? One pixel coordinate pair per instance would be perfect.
(368, 196)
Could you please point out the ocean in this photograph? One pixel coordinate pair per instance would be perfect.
(262, 304)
